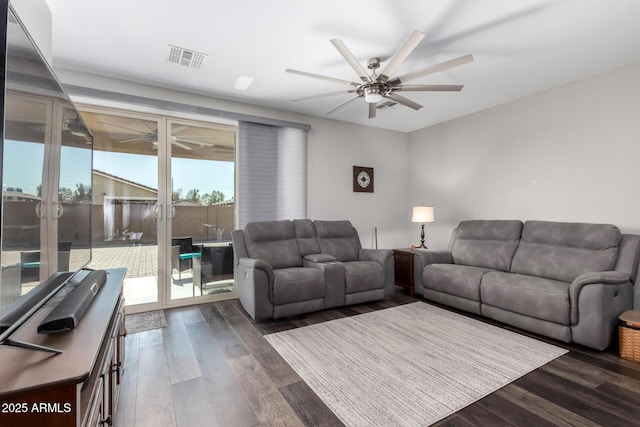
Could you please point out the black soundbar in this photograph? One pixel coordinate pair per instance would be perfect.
(78, 294)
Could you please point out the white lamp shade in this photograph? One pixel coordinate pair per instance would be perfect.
(423, 214)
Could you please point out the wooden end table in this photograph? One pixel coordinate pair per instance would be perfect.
(403, 268)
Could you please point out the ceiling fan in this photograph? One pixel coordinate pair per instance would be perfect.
(375, 87)
(151, 135)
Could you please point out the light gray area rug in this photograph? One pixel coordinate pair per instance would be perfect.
(140, 322)
(410, 365)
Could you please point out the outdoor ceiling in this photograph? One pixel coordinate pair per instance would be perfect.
(121, 133)
(520, 47)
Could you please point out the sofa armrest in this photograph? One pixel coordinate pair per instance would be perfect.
(424, 257)
(334, 278)
(606, 277)
(255, 287)
(384, 257)
(601, 277)
(597, 299)
(258, 264)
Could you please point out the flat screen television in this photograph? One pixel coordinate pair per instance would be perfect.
(46, 177)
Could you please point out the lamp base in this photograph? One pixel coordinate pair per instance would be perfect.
(422, 245)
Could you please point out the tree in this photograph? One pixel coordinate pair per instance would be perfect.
(213, 198)
(65, 194)
(193, 195)
(81, 192)
(176, 195)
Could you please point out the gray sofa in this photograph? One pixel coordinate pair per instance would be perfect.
(288, 267)
(567, 281)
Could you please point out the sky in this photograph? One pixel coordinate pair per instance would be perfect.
(22, 168)
(205, 175)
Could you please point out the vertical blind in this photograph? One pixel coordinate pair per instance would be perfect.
(272, 173)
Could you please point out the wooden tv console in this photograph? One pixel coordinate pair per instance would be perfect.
(78, 387)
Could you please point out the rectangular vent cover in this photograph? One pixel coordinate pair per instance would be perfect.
(187, 58)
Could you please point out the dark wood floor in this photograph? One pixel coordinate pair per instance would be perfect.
(212, 366)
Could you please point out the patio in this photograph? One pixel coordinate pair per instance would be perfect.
(140, 284)
(141, 262)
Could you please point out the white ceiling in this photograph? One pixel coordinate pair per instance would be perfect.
(520, 47)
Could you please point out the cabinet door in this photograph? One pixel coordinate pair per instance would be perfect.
(120, 344)
(96, 405)
(108, 385)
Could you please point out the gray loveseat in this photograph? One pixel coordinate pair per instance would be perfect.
(567, 281)
(292, 267)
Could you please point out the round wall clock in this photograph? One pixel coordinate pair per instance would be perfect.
(362, 179)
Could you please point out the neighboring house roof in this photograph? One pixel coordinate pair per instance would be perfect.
(124, 180)
(18, 196)
(225, 203)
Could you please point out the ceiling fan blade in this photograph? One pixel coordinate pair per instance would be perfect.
(124, 141)
(322, 95)
(402, 53)
(372, 110)
(404, 101)
(342, 104)
(428, 88)
(348, 56)
(432, 69)
(195, 136)
(178, 144)
(190, 141)
(318, 76)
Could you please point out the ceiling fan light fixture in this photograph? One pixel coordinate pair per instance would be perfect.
(372, 95)
(75, 127)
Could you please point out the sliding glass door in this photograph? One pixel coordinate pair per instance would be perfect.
(125, 200)
(163, 205)
(202, 215)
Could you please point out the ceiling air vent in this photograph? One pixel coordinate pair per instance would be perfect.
(184, 57)
(386, 105)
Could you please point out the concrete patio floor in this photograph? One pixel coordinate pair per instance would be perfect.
(141, 262)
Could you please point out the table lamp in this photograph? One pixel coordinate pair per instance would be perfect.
(422, 214)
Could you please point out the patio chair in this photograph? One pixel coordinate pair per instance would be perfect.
(182, 254)
(214, 263)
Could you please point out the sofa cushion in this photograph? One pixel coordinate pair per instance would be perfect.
(459, 280)
(486, 243)
(563, 251)
(338, 238)
(536, 297)
(274, 242)
(363, 276)
(297, 284)
(306, 236)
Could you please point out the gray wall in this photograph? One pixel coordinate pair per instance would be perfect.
(567, 154)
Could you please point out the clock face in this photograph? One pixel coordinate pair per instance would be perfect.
(363, 179)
